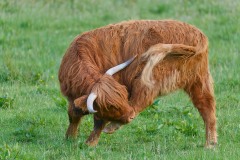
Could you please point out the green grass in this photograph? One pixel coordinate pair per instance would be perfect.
(33, 116)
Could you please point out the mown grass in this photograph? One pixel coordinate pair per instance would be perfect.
(33, 115)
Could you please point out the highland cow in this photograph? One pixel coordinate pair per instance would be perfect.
(160, 57)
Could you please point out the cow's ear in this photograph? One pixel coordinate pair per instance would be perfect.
(81, 103)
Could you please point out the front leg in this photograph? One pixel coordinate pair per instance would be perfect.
(99, 124)
(75, 115)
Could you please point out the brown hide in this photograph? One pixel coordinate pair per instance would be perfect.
(91, 54)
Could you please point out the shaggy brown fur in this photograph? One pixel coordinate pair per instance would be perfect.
(171, 55)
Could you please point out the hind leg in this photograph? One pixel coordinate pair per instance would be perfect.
(75, 116)
(202, 96)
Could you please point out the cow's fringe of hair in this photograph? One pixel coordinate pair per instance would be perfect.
(110, 93)
(157, 53)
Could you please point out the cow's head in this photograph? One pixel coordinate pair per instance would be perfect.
(109, 98)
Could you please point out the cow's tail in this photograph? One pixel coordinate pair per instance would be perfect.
(158, 52)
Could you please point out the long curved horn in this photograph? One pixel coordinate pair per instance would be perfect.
(92, 96)
(119, 67)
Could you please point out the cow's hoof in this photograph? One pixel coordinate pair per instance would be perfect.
(212, 145)
(91, 143)
(111, 127)
(70, 136)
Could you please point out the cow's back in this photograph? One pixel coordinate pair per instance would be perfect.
(108, 46)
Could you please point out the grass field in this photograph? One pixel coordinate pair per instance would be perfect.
(33, 115)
